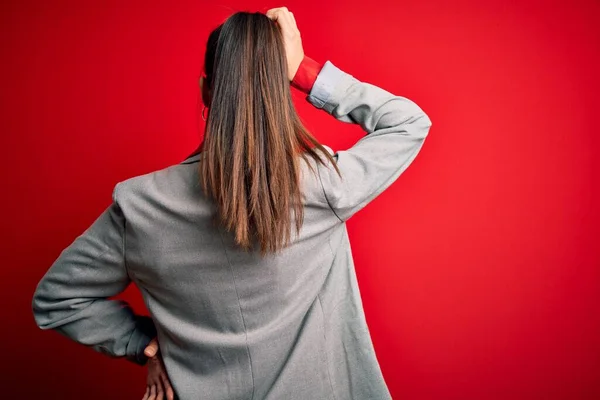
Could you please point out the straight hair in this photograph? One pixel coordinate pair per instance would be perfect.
(254, 139)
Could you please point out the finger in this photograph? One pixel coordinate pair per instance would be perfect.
(152, 393)
(170, 393)
(272, 13)
(284, 21)
(159, 391)
(273, 10)
(277, 14)
(283, 16)
(147, 394)
(152, 348)
(167, 386)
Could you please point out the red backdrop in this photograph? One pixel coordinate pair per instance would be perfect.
(479, 267)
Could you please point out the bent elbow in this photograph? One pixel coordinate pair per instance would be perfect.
(37, 311)
(39, 307)
(424, 124)
(418, 127)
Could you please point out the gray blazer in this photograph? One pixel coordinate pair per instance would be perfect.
(230, 325)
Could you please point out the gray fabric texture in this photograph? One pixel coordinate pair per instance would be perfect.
(233, 325)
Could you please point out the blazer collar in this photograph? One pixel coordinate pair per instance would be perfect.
(195, 156)
(192, 158)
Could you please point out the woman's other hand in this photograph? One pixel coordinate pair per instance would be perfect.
(157, 384)
(291, 38)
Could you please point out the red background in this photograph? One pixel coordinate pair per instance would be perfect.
(479, 267)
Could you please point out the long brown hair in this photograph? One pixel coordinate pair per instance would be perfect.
(254, 139)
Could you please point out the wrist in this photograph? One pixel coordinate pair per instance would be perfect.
(306, 75)
(298, 63)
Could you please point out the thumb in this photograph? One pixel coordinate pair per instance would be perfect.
(152, 348)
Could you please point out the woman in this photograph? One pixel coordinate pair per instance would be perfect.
(241, 251)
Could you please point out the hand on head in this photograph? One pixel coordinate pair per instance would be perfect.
(291, 38)
(292, 42)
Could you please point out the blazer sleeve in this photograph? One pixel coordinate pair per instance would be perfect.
(395, 131)
(72, 298)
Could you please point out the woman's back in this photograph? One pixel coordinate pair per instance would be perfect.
(231, 323)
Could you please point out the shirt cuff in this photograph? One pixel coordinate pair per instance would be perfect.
(307, 74)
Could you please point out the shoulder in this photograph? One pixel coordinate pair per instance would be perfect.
(151, 184)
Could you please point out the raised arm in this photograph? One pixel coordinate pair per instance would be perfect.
(395, 126)
(395, 131)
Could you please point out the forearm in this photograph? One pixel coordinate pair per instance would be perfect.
(396, 128)
(108, 326)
